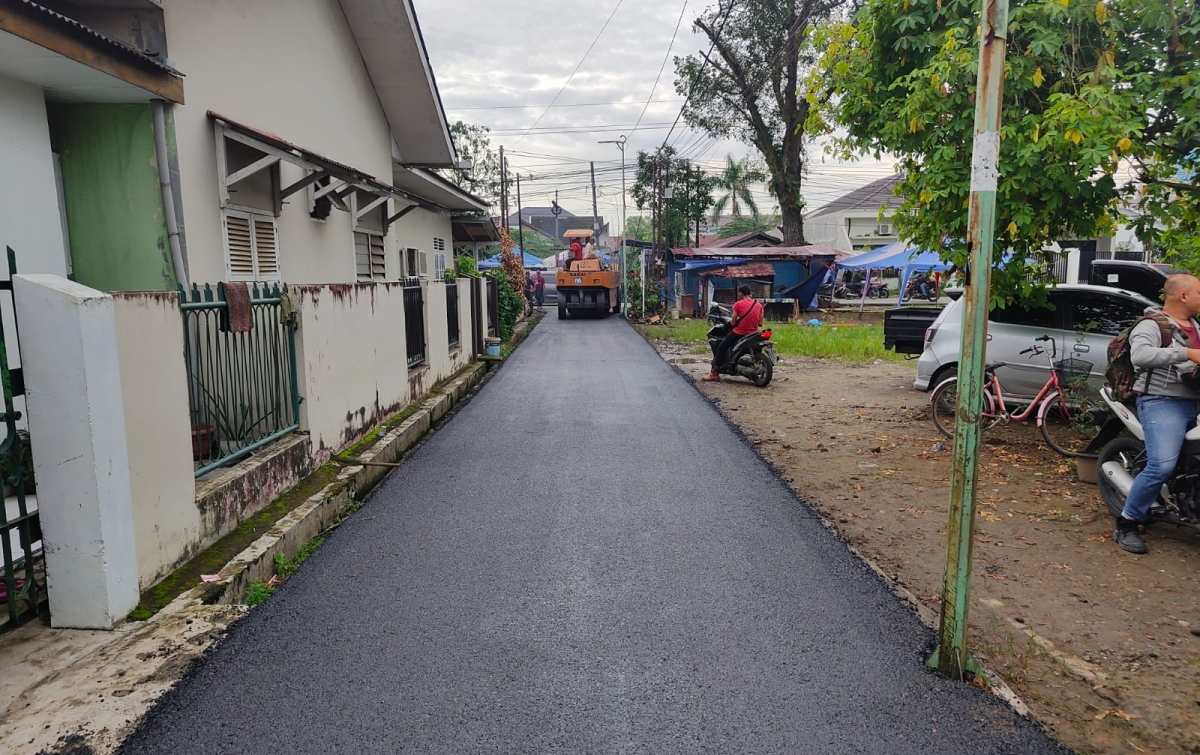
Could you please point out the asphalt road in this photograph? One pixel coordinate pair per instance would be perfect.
(585, 559)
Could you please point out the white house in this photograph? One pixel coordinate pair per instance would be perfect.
(859, 221)
(157, 144)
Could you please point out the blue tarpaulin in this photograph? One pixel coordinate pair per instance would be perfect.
(900, 256)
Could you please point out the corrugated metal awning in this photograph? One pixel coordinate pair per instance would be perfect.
(747, 270)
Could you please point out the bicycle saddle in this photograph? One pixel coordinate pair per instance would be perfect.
(993, 366)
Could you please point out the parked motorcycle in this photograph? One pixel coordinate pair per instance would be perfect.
(752, 357)
(877, 290)
(1123, 458)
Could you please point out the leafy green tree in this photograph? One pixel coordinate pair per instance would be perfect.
(1082, 88)
(736, 180)
(483, 179)
(752, 87)
(738, 226)
(692, 192)
(639, 227)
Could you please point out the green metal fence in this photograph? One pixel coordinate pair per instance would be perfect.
(20, 529)
(242, 386)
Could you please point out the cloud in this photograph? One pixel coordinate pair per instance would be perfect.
(500, 63)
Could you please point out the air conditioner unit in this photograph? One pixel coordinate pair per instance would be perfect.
(885, 229)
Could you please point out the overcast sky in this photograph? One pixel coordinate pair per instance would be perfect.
(500, 63)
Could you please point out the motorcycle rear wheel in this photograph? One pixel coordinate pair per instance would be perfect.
(1130, 453)
(763, 371)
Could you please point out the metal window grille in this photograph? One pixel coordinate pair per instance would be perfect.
(24, 578)
(414, 324)
(242, 387)
(452, 312)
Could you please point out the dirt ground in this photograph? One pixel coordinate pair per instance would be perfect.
(1099, 643)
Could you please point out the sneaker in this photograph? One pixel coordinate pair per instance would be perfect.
(1127, 537)
(712, 377)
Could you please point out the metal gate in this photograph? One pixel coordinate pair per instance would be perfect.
(493, 306)
(476, 320)
(23, 588)
(414, 324)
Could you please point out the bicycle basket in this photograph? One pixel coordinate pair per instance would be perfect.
(1070, 370)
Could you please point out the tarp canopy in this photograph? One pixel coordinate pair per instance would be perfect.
(897, 255)
(711, 264)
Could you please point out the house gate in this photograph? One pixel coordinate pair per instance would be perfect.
(23, 587)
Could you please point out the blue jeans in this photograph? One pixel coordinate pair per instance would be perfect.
(1165, 422)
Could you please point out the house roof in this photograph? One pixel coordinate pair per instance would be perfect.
(754, 238)
(539, 212)
(879, 193)
(71, 24)
(744, 270)
(389, 39)
(436, 189)
(761, 252)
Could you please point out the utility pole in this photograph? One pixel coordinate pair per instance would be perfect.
(503, 190)
(520, 225)
(951, 656)
(624, 231)
(595, 211)
(557, 233)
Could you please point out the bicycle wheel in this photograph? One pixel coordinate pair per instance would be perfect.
(943, 407)
(1070, 420)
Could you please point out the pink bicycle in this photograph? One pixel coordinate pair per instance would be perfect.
(1069, 413)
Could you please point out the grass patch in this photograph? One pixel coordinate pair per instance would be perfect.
(851, 342)
(222, 552)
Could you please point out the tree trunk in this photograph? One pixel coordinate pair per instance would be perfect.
(793, 218)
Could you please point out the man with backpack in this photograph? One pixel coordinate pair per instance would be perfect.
(1164, 349)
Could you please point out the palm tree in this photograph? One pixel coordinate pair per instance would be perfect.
(735, 179)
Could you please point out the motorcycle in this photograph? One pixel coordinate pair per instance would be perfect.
(877, 290)
(913, 289)
(752, 357)
(1123, 458)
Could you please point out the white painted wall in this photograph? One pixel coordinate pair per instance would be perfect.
(167, 525)
(419, 228)
(292, 68)
(29, 214)
(353, 358)
(77, 427)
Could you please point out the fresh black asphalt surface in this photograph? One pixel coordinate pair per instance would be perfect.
(584, 559)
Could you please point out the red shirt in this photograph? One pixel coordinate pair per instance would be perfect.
(1189, 330)
(539, 283)
(577, 250)
(750, 316)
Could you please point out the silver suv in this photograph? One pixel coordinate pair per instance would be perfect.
(1081, 319)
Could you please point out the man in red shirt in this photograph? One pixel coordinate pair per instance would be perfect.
(747, 319)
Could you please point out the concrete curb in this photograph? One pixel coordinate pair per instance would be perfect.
(323, 509)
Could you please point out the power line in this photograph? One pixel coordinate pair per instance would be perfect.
(663, 67)
(570, 104)
(577, 67)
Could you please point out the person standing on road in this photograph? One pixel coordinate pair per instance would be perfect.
(539, 289)
(1166, 406)
(747, 319)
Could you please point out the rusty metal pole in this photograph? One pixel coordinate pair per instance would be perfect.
(951, 656)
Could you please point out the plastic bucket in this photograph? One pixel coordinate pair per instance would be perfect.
(492, 347)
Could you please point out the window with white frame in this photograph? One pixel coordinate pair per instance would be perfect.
(415, 263)
(370, 248)
(251, 246)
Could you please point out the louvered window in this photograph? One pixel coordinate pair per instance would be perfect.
(251, 246)
(370, 262)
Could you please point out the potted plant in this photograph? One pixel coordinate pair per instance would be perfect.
(202, 441)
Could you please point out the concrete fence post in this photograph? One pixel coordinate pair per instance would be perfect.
(81, 462)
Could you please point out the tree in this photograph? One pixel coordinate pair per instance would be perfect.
(749, 87)
(638, 227)
(1079, 100)
(739, 226)
(735, 180)
(691, 188)
(483, 179)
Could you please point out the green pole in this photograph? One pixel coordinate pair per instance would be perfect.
(951, 655)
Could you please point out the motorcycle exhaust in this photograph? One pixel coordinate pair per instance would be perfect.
(1117, 475)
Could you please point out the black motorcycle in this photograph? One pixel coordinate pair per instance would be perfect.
(752, 357)
(1122, 459)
